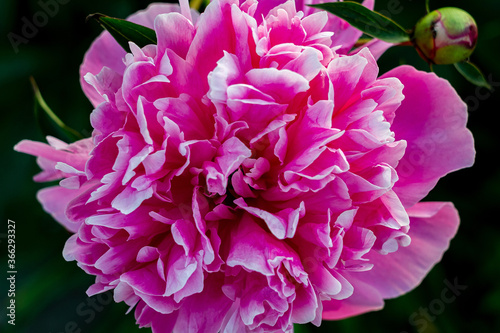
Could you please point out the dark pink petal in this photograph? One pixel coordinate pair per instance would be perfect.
(264, 7)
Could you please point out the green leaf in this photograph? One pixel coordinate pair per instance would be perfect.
(49, 122)
(427, 6)
(124, 31)
(370, 22)
(472, 73)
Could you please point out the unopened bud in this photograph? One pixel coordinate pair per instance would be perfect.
(445, 36)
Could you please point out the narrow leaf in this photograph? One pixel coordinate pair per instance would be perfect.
(472, 73)
(427, 6)
(49, 122)
(124, 31)
(368, 21)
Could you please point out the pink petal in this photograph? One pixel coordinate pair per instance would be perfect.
(130, 199)
(432, 119)
(106, 83)
(117, 258)
(345, 35)
(377, 47)
(351, 75)
(251, 248)
(54, 200)
(174, 31)
(226, 73)
(365, 298)
(282, 224)
(179, 270)
(43, 150)
(145, 280)
(216, 20)
(106, 52)
(185, 112)
(283, 85)
(203, 312)
(106, 119)
(432, 226)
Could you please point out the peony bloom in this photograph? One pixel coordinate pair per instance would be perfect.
(247, 173)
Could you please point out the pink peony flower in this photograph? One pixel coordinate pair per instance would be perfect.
(247, 173)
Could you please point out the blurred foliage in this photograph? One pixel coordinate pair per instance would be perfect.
(50, 293)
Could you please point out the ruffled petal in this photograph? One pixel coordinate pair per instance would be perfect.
(106, 52)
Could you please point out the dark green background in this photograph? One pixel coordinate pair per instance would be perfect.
(50, 293)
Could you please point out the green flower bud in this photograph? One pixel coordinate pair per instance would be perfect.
(445, 36)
